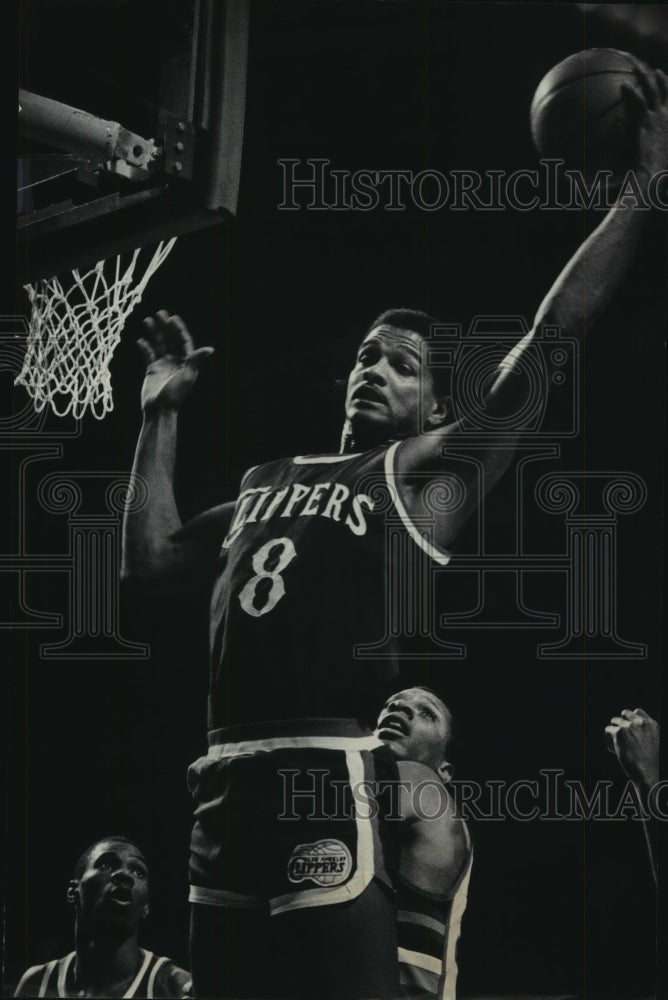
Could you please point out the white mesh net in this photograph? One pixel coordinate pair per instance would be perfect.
(73, 334)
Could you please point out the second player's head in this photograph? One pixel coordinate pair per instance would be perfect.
(417, 725)
(109, 887)
(392, 392)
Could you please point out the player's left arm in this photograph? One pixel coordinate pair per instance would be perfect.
(582, 290)
(588, 282)
(634, 737)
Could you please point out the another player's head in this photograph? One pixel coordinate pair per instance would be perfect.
(109, 886)
(417, 725)
(392, 392)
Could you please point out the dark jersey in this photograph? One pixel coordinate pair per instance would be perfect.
(156, 977)
(300, 624)
(427, 932)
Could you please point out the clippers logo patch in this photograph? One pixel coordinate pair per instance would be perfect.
(326, 862)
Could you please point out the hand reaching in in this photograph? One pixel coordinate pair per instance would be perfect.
(172, 363)
(634, 737)
(649, 94)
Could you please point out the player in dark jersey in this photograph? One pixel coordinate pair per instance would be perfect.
(109, 892)
(436, 854)
(299, 564)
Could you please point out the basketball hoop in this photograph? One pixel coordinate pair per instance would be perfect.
(73, 334)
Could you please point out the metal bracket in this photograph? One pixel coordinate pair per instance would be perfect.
(178, 137)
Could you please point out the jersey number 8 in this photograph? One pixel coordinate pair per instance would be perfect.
(267, 585)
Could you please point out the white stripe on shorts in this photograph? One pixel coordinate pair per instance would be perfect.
(346, 743)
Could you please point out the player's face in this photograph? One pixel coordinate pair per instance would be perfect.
(415, 725)
(114, 886)
(390, 391)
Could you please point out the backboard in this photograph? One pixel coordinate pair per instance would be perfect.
(130, 125)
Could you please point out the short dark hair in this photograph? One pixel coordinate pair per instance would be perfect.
(82, 863)
(451, 722)
(421, 323)
(405, 319)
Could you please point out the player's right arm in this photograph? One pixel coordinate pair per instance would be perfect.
(160, 554)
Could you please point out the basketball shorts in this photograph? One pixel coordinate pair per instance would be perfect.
(293, 820)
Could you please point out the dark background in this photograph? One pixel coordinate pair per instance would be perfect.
(95, 747)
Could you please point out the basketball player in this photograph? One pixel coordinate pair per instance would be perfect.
(435, 858)
(109, 892)
(633, 736)
(299, 566)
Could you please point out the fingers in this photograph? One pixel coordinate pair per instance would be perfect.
(629, 734)
(657, 85)
(611, 738)
(153, 335)
(634, 715)
(647, 81)
(147, 352)
(638, 716)
(200, 354)
(649, 84)
(612, 731)
(165, 334)
(177, 335)
(162, 332)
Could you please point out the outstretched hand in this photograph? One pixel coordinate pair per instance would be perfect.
(172, 363)
(634, 737)
(649, 94)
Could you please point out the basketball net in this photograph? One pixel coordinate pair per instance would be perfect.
(73, 334)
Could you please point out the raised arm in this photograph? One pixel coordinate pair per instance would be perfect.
(589, 280)
(159, 553)
(582, 290)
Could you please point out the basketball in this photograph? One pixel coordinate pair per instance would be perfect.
(580, 113)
